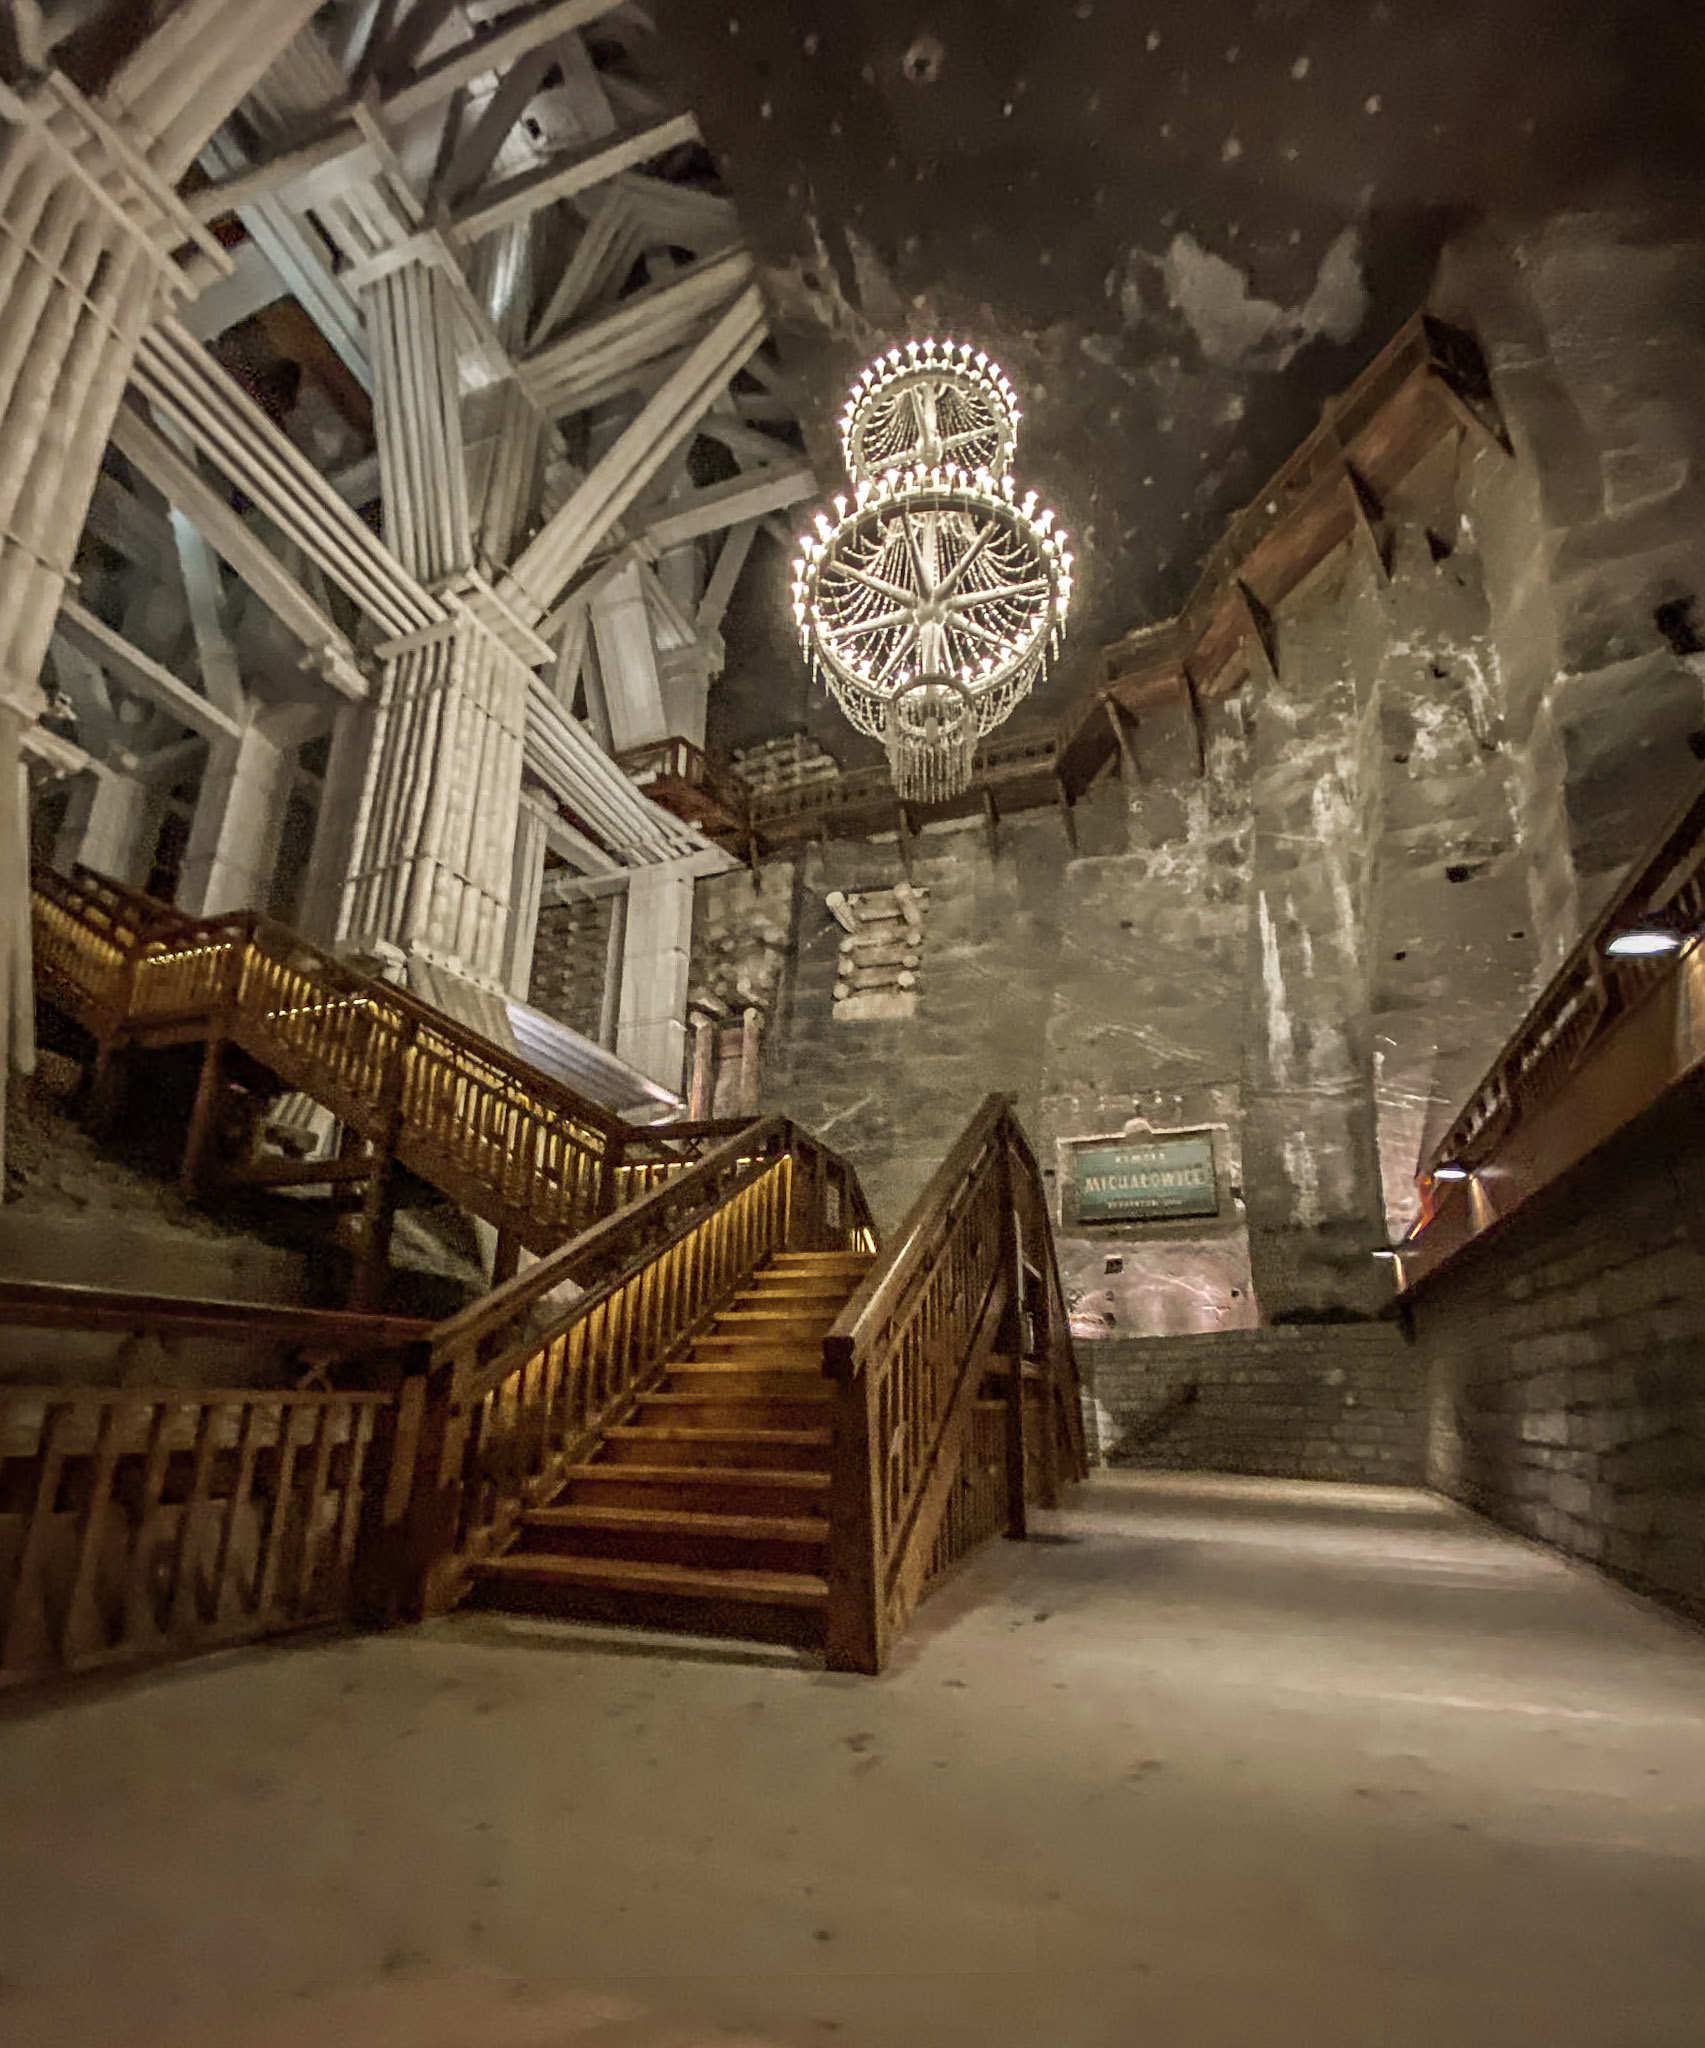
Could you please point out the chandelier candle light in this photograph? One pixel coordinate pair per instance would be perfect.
(932, 602)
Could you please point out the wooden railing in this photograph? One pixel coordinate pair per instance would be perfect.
(500, 1138)
(322, 1347)
(969, 1289)
(1608, 1036)
(521, 1385)
(139, 1523)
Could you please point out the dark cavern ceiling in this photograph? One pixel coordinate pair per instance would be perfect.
(1181, 228)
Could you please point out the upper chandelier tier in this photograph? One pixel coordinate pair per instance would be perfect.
(932, 602)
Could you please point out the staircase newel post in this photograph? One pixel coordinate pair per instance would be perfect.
(203, 1130)
(408, 1563)
(1012, 1344)
(856, 1634)
(378, 1205)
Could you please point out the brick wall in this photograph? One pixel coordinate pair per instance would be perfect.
(1338, 1401)
(1567, 1361)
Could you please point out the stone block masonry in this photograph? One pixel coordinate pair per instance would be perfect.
(1566, 1358)
(1341, 1401)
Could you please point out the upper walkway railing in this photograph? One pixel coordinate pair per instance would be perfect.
(1610, 1035)
(503, 1140)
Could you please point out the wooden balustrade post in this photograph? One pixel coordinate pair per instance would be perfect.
(378, 1200)
(1012, 1346)
(107, 1081)
(202, 1135)
(412, 1500)
(855, 1622)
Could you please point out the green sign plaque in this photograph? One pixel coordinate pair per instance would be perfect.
(1148, 1180)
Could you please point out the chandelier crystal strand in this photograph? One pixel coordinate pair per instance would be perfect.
(934, 599)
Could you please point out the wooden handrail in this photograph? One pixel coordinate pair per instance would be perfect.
(872, 1305)
(968, 1291)
(616, 1243)
(49, 1305)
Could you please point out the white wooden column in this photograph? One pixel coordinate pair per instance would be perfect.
(651, 1030)
(90, 230)
(233, 837)
(103, 826)
(527, 875)
(435, 835)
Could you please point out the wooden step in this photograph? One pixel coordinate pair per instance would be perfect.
(818, 1262)
(764, 1449)
(758, 1351)
(748, 1490)
(711, 1408)
(713, 1378)
(761, 1606)
(770, 1287)
(804, 1326)
(782, 1543)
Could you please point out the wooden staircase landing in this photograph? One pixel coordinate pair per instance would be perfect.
(707, 1509)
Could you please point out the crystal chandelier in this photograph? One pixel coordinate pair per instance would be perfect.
(931, 603)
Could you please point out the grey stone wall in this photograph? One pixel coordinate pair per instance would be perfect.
(1312, 922)
(1340, 1401)
(570, 956)
(1566, 1361)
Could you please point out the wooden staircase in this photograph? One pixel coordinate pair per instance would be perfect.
(707, 1509)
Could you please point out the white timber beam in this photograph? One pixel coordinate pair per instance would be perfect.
(143, 674)
(565, 375)
(448, 74)
(740, 500)
(568, 537)
(515, 198)
(730, 560)
(178, 377)
(226, 533)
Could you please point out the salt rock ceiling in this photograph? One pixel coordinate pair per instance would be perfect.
(1180, 227)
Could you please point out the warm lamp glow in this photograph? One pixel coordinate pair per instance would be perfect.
(933, 605)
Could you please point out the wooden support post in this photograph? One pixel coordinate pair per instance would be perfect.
(378, 1202)
(203, 1118)
(1197, 723)
(1128, 771)
(701, 1088)
(992, 822)
(751, 1035)
(855, 1622)
(906, 835)
(1012, 1346)
(1067, 811)
(506, 1259)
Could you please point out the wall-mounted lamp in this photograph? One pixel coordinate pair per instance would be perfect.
(1385, 1251)
(1452, 1172)
(1644, 941)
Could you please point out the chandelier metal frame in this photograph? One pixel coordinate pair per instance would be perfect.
(933, 601)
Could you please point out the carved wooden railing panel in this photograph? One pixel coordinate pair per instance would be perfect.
(522, 1384)
(138, 1524)
(969, 1285)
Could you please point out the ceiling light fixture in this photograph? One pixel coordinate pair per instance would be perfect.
(1452, 1172)
(933, 600)
(1643, 941)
